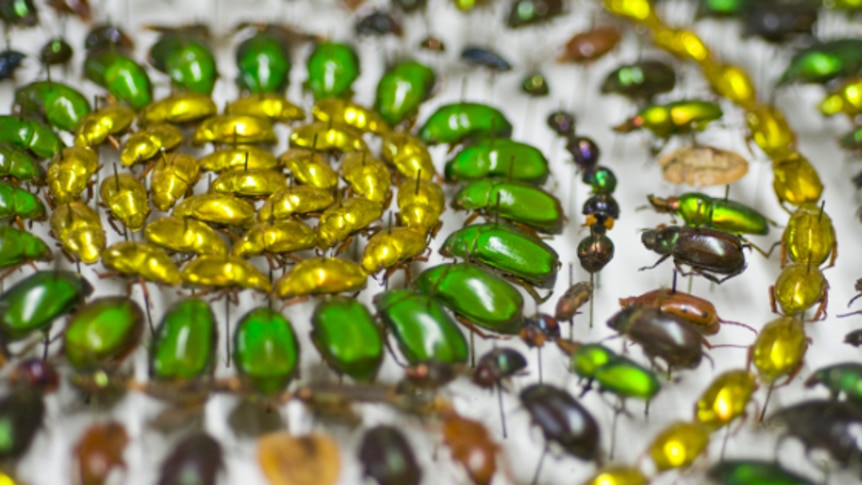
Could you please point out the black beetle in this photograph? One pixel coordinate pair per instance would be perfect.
(563, 420)
(10, 61)
(661, 334)
(387, 458)
(197, 459)
(705, 250)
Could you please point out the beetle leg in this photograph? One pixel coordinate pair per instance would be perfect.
(834, 251)
(772, 299)
(344, 245)
(660, 261)
(114, 142)
(820, 314)
(473, 328)
(111, 222)
(472, 217)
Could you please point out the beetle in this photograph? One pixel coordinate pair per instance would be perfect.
(661, 334)
(706, 251)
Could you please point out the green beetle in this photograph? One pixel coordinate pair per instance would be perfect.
(184, 345)
(402, 89)
(187, 60)
(698, 209)
(614, 373)
(674, 118)
(721, 8)
(102, 333)
(588, 358)
(642, 80)
(477, 296)
(453, 123)
(422, 328)
(824, 62)
(752, 472)
(60, 105)
(263, 61)
(517, 255)
(30, 134)
(18, 247)
(265, 350)
(514, 201)
(17, 203)
(22, 13)
(347, 338)
(19, 164)
(125, 79)
(36, 301)
(844, 378)
(332, 68)
(498, 158)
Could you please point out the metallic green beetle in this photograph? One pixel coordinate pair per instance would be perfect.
(514, 201)
(332, 68)
(184, 346)
(844, 378)
(517, 255)
(614, 373)
(674, 118)
(481, 298)
(60, 105)
(263, 61)
(498, 158)
(30, 134)
(422, 328)
(18, 203)
(402, 89)
(640, 81)
(102, 333)
(751, 472)
(265, 350)
(33, 303)
(347, 338)
(824, 61)
(698, 209)
(453, 123)
(18, 247)
(19, 164)
(186, 60)
(125, 79)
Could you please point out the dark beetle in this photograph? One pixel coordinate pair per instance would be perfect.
(596, 250)
(585, 152)
(779, 22)
(378, 23)
(105, 36)
(481, 56)
(706, 250)
(661, 334)
(21, 415)
(55, 51)
(532, 12)
(10, 61)
(22, 13)
(538, 329)
(562, 420)
(387, 458)
(574, 298)
(826, 424)
(496, 365)
(409, 5)
(562, 122)
(603, 208)
(854, 338)
(35, 374)
(641, 80)
(196, 459)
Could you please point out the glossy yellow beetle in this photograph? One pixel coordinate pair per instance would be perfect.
(126, 198)
(798, 287)
(682, 43)
(147, 143)
(275, 238)
(250, 157)
(345, 218)
(70, 172)
(224, 272)
(678, 445)
(249, 183)
(730, 81)
(296, 200)
(173, 176)
(389, 247)
(640, 11)
(409, 155)
(223, 209)
(272, 106)
(779, 349)
(617, 475)
(345, 112)
(178, 108)
(185, 235)
(809, 237)
(725, 399)
(367, 177)
(769, 130)
(327, 137)
(78, 228)
(101, 125)
(309, 167)
(794, 179)
(845, 98)
(321, 276)
(420, 204)
(142, 260)
(234, 130)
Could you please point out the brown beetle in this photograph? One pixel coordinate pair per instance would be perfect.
(100, 451)
(590, 45)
